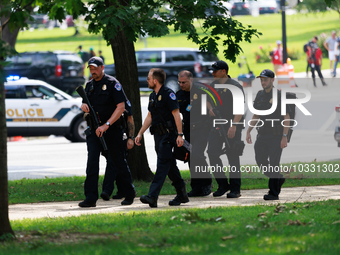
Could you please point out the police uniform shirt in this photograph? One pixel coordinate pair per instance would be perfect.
(183, 98)
(226, 109)
(197, 118)
(161, 106)
(104, 95)
(264, 101)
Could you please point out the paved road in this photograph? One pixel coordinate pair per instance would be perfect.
(312, 140)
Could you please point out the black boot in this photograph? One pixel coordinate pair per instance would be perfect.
(222, 189)
(182, 197)
(152, 201)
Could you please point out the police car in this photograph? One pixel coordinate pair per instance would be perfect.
(36, 108)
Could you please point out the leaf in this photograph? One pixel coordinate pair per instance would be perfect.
(70, 193)
(262, 215)
(336, 222)
(227, 237)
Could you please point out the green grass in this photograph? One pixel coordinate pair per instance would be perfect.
(72, 188)
(296, 228)
(300, 29)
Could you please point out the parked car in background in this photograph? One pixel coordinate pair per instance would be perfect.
(62, 69)
(244, 8)
(268, 6)
(172, 61)
(35, 108)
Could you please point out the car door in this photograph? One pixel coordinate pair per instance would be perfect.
(48, 115)
(16, 111)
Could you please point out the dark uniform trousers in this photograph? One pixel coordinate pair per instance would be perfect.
(115, 144)
(215, 145)
(268, 153)
(166, 165)
(199, 179)
(111, 176)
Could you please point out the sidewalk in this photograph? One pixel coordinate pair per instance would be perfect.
(248, 198)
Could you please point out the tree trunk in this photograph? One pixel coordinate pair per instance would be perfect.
(126, 73)
(5, 226)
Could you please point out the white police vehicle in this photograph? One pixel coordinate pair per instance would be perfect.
(36, 108)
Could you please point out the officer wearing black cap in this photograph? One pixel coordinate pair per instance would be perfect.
(107, 97)
(166, 126)
(228, 134)
(195, 124)
(272, 135)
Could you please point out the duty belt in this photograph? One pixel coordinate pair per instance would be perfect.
(159, 129)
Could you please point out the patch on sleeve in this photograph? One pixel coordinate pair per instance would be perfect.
(128, 103)
(172, 96)
(118, 86)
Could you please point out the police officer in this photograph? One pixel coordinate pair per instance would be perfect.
(272, 135)
(107, 97)
(111, 174)
(228, 134)
(166, 126)
(189, 99)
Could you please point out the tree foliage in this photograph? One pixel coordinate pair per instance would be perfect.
(319, 5)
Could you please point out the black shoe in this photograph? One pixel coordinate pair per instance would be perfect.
(105, 196)
(233, 194)
(221, 191)
(200, 192)
(118, 196)
(179, 199)
(152, 201)
(87, 204)
(127, 201)
(270, 196)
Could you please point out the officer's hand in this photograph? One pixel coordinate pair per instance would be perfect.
(138, 139)
(85, 108)
(211, 112)
(101, 130)
(130, 143)
(284, 142)
(179, 141)
(231, 132)
(248, 138)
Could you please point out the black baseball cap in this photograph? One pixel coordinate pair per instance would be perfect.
(266, 73)
(95, 61)
(218, 65)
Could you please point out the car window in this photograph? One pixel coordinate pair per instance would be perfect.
(12, 92)
(23, 60)
(180, 56)
(46, 59)
(149, 56)
(207, 57)
(34, 92)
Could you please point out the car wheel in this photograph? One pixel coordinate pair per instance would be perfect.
(79, 131)
(171, 83)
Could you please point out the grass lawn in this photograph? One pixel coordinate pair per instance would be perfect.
(298, 228)
(72, 188)
(300, 29)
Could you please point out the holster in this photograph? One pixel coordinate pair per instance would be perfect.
(158, 129)
(87, 117)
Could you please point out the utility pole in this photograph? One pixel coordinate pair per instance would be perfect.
(284, 37)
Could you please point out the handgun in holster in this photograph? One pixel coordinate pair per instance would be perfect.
(89, 121)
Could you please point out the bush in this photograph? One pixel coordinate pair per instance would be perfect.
(263, 55)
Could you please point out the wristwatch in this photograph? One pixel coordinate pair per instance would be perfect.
(108, 123)
(284, 135)
(180, 134)
(131, 137)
